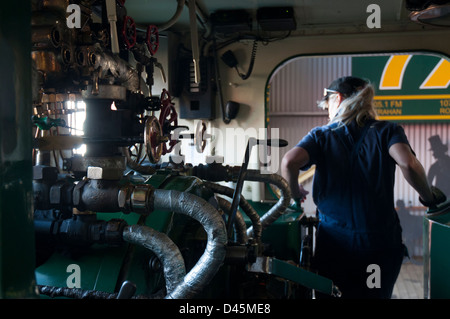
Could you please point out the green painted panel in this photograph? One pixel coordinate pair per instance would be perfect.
(416, 88)
(437, 256)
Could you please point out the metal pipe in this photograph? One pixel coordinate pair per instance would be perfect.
(75, 293)
(284, 201)
(164, 248)
(214, 254)
(219, 82)
(246, 207)
(146, 170)
(96, 196)
(112, 19)
(174, 18)
(122, 71)
(194, 40)
(101, 195)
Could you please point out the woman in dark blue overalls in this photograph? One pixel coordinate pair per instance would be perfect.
(358, 243)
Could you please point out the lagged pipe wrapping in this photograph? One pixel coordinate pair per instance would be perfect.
(283, 202)
(160, 244)
(214, 254)
(164, 248)
(75, 293)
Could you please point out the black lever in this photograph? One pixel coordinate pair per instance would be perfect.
(127, 290)
(273, 142)
(240, 181)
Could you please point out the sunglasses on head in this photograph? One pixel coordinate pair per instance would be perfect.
(327, 93)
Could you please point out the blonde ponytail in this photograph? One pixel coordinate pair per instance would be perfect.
(358, 106)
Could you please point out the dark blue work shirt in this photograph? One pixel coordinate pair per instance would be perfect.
(353, 190)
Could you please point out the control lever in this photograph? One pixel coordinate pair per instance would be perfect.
(240, 181)
(274, 142)
(161, 69)
(127, 290)
(308, 224)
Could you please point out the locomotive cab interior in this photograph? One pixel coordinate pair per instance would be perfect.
(140, 140)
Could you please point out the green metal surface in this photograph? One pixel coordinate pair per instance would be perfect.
(98, 268)
(436, 256)
(301, 276)
(17, 257)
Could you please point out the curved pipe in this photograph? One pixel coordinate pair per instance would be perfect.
(143, 199)
(246, 207)
(214, 254)
(160, 244)
(174, 18)
(239, 223)
(164, 248)
(76, 293)
(280, 207)
(146, 170)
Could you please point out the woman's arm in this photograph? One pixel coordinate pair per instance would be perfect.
(291, 163)
(412, 170)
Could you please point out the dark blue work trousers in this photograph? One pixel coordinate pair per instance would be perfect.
(359, 271)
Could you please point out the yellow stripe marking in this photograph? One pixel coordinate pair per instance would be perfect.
(392, 76)
(415, 117)
(413, 97)
(439, 78)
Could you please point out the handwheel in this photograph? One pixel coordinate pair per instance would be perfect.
(199, 137)
(129, 32)
(153, 139)
(168, 118)
(152, 39)
(166, 99)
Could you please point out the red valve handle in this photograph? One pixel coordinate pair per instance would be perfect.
(129, 32)
(152, 39)
(167, 117)
(153, 139)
